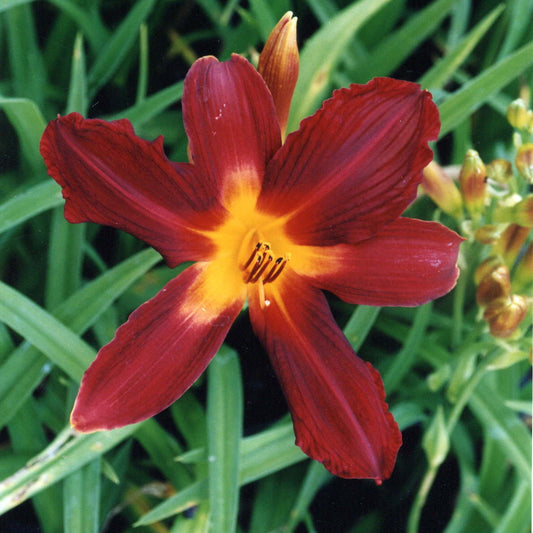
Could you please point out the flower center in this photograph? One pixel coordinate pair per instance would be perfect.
(262, 264)
(259, 263)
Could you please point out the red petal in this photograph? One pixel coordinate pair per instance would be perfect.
(231, 122)
(156, 355)
(110, 176)
(408, 263)
(336, 400)
(354, 166)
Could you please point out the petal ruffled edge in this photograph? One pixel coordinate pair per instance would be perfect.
(354, 166)
(111, 176)
(337, 401)
(156, 355)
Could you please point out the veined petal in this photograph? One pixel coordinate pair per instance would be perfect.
(337, 401)
(407, 263)
(157, 354)
(110, 176)
(278, 65)
(354, 166)
(231, 122)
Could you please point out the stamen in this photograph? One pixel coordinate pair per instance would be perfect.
(262, 260)
(265, 262)
(251, 239)
(250, 259)
(277, 273)
(257, 265)
(274, 268)
(277, 268)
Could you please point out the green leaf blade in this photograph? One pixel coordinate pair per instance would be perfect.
(224, 431)
(321, 54)
(476, 92)
(29, 202)
(118, 45)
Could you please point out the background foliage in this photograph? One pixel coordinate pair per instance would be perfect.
(465, 465)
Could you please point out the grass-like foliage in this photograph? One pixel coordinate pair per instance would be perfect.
(223, 458)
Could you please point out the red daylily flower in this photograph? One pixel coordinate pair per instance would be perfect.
(272, 223)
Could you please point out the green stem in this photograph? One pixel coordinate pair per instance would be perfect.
(468, 390)
(420, 500)
(429, 478)
(472, 251)
(458, 307)
(142, 82)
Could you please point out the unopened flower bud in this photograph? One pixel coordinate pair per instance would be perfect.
(472, 183)
(442, 190)
(504, 315)
(523, 275)
(438, 378)
(520, 213)
(487, 234)
(436, 440)
(507, 359)
(524, 161)
(486, 267)
(500, 170)
(517, 114)
(510, 243)
(278, 65)
(495, 285)
(464, 368)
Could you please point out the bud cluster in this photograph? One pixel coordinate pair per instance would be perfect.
(493, 206)
(520, 116)
(500, 294)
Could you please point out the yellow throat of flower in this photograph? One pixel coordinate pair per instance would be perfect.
(252, 249)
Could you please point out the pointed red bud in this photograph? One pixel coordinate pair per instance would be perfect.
(278, 64)
(472, 183)
(442, 190)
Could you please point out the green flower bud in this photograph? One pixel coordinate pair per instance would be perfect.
(436, 441)
(517, 114)
(520, 213)
(500, 170)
